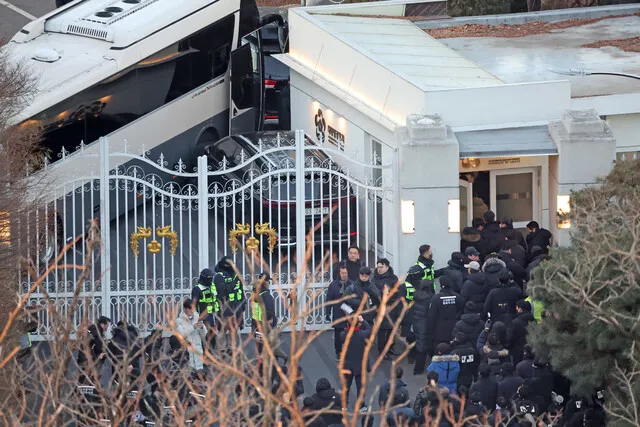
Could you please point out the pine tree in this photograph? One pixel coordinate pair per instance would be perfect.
(591, 292)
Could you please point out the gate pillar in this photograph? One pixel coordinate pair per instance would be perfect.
(428, 177)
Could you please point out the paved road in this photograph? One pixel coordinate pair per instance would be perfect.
(14, 14)
(317, 361)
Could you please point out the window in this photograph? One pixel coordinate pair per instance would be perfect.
(139, 90)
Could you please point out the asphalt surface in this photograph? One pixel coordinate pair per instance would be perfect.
(318, 361)
(14, 14)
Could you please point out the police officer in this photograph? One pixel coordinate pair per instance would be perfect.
(425, 262)
(205, 295)
(230, 292)
(263, 317)
(408, 289)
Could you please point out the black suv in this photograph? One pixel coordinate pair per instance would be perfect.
(272, 197)
(276, 82)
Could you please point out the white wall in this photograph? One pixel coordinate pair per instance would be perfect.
(357, 150)
(428, 175)
(626, 129)
(530, 102)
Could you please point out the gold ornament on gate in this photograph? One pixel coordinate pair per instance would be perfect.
(142, 233)
(154, 246)
(252, 243)
(166, 231)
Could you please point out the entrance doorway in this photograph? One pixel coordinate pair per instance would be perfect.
(507, 192)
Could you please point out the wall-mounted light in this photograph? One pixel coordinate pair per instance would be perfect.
(408, 216)
(315, 105)
(453, 215)
(470, 162)
(564, 208)
(341, 122)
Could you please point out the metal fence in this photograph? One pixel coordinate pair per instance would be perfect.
(159, 226)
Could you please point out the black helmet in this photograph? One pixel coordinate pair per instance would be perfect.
(225, 262)
(206, 277)
(415, 272)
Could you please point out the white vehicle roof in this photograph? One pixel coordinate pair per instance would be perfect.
(94, 44)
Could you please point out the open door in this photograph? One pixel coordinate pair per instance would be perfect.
(247, 86)
(514, 193)
(466, 204)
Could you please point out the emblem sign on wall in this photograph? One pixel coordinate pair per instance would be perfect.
(327, 133)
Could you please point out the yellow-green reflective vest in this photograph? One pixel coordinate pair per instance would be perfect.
(429, 272)
(537, 308)
(256, 308)
(236, 295)
(210, 298)
(410, 291)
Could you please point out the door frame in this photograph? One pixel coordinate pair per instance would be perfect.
(535, 191)
(469, 186)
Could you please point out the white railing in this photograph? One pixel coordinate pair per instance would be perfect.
(156, 236)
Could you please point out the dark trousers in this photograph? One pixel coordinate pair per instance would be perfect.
(349, 379)
(337, 340)
(421, 361)
(383, 337)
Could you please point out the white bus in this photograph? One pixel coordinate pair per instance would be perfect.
(152, 72)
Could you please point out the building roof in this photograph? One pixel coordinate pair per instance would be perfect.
(520, 141)
(409, 52)
(532, 58)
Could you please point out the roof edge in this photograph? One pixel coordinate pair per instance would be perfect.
(557, 15)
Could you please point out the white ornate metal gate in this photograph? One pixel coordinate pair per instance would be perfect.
(156, 236)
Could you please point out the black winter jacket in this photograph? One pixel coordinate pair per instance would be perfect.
(535, 262)
(353, 269)
(95, 345)
(367, 291)
(389, 279)
(501, 303)
(226, 281)
(524, 369)
(491, 268)
(444, 311)
(469, 362)
(517, 335)
(516, 269)
(499, 328)
(472, 237)
(420, 315)
(488, 389)
(326, 398)
(508, 386)
(400, 394)
(455, 272)
(475, 289)
(541, 238)
(494, 235)
(471, 325)
(494, 356)
(356, 347)
(335, 292)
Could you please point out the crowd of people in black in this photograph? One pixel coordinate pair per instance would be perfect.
(464, 327)
(469, 336)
